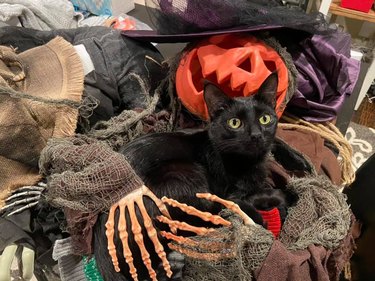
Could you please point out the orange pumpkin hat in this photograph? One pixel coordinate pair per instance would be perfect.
(238, 64)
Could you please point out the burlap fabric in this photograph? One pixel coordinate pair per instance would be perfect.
(40, 92)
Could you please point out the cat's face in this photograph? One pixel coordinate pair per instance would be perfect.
(245, 126)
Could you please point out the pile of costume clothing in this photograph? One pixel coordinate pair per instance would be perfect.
(56, 14)
(70, 98)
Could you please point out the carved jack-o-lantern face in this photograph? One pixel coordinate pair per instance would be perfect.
(238, 64)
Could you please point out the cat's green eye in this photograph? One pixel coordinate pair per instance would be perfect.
(265, 119)
(234, 123)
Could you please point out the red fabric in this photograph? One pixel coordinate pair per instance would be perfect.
(273, 219)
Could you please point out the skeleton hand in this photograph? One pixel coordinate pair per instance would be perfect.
(216, 246)
(129, 202)
(136, 197)
(22, 199)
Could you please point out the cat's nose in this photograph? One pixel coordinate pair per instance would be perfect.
(256, 137)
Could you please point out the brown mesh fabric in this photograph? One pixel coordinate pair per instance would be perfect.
(321, 215)
(86, 175)
(250, 243)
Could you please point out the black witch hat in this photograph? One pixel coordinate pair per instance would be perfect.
(184, 20)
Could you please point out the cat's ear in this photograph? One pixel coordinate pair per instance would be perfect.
(267, 91)
(216, 100)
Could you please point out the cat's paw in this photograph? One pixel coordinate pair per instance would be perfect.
(267, 199)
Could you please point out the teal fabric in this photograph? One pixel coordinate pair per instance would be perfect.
(103, 7)
(91, 270)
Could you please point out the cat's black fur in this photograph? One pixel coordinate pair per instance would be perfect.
(221, 160)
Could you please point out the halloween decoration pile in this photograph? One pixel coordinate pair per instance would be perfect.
(136, 231)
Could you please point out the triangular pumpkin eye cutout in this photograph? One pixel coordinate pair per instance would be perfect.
(245, 65)
(223, 63)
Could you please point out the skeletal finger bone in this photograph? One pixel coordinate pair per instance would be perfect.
(229, 205)
(40, 187)
(179, 239)
(163, 209)
(125, 244)
(209, 245)
(159, 203)
(110, 231)
(185, 226)
(138, 237)
(190, 210)
(22, 194)
(151, 231)
(19, 202)
(28, 206)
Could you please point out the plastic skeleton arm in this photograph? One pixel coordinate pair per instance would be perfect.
(136, 197)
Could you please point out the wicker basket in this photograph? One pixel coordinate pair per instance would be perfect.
(365, 114)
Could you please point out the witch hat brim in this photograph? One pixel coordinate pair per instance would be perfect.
(154, 36)
(187, 20)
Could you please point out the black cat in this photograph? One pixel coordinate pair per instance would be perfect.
(226, 159)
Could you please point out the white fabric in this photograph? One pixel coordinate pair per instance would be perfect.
(87, 64)
(40, 14)
(94, 21)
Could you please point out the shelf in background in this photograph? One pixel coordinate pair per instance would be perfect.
(336, 9)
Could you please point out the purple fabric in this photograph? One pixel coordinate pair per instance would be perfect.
(326, 76)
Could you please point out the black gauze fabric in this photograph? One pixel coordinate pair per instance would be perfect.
(189, 16)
